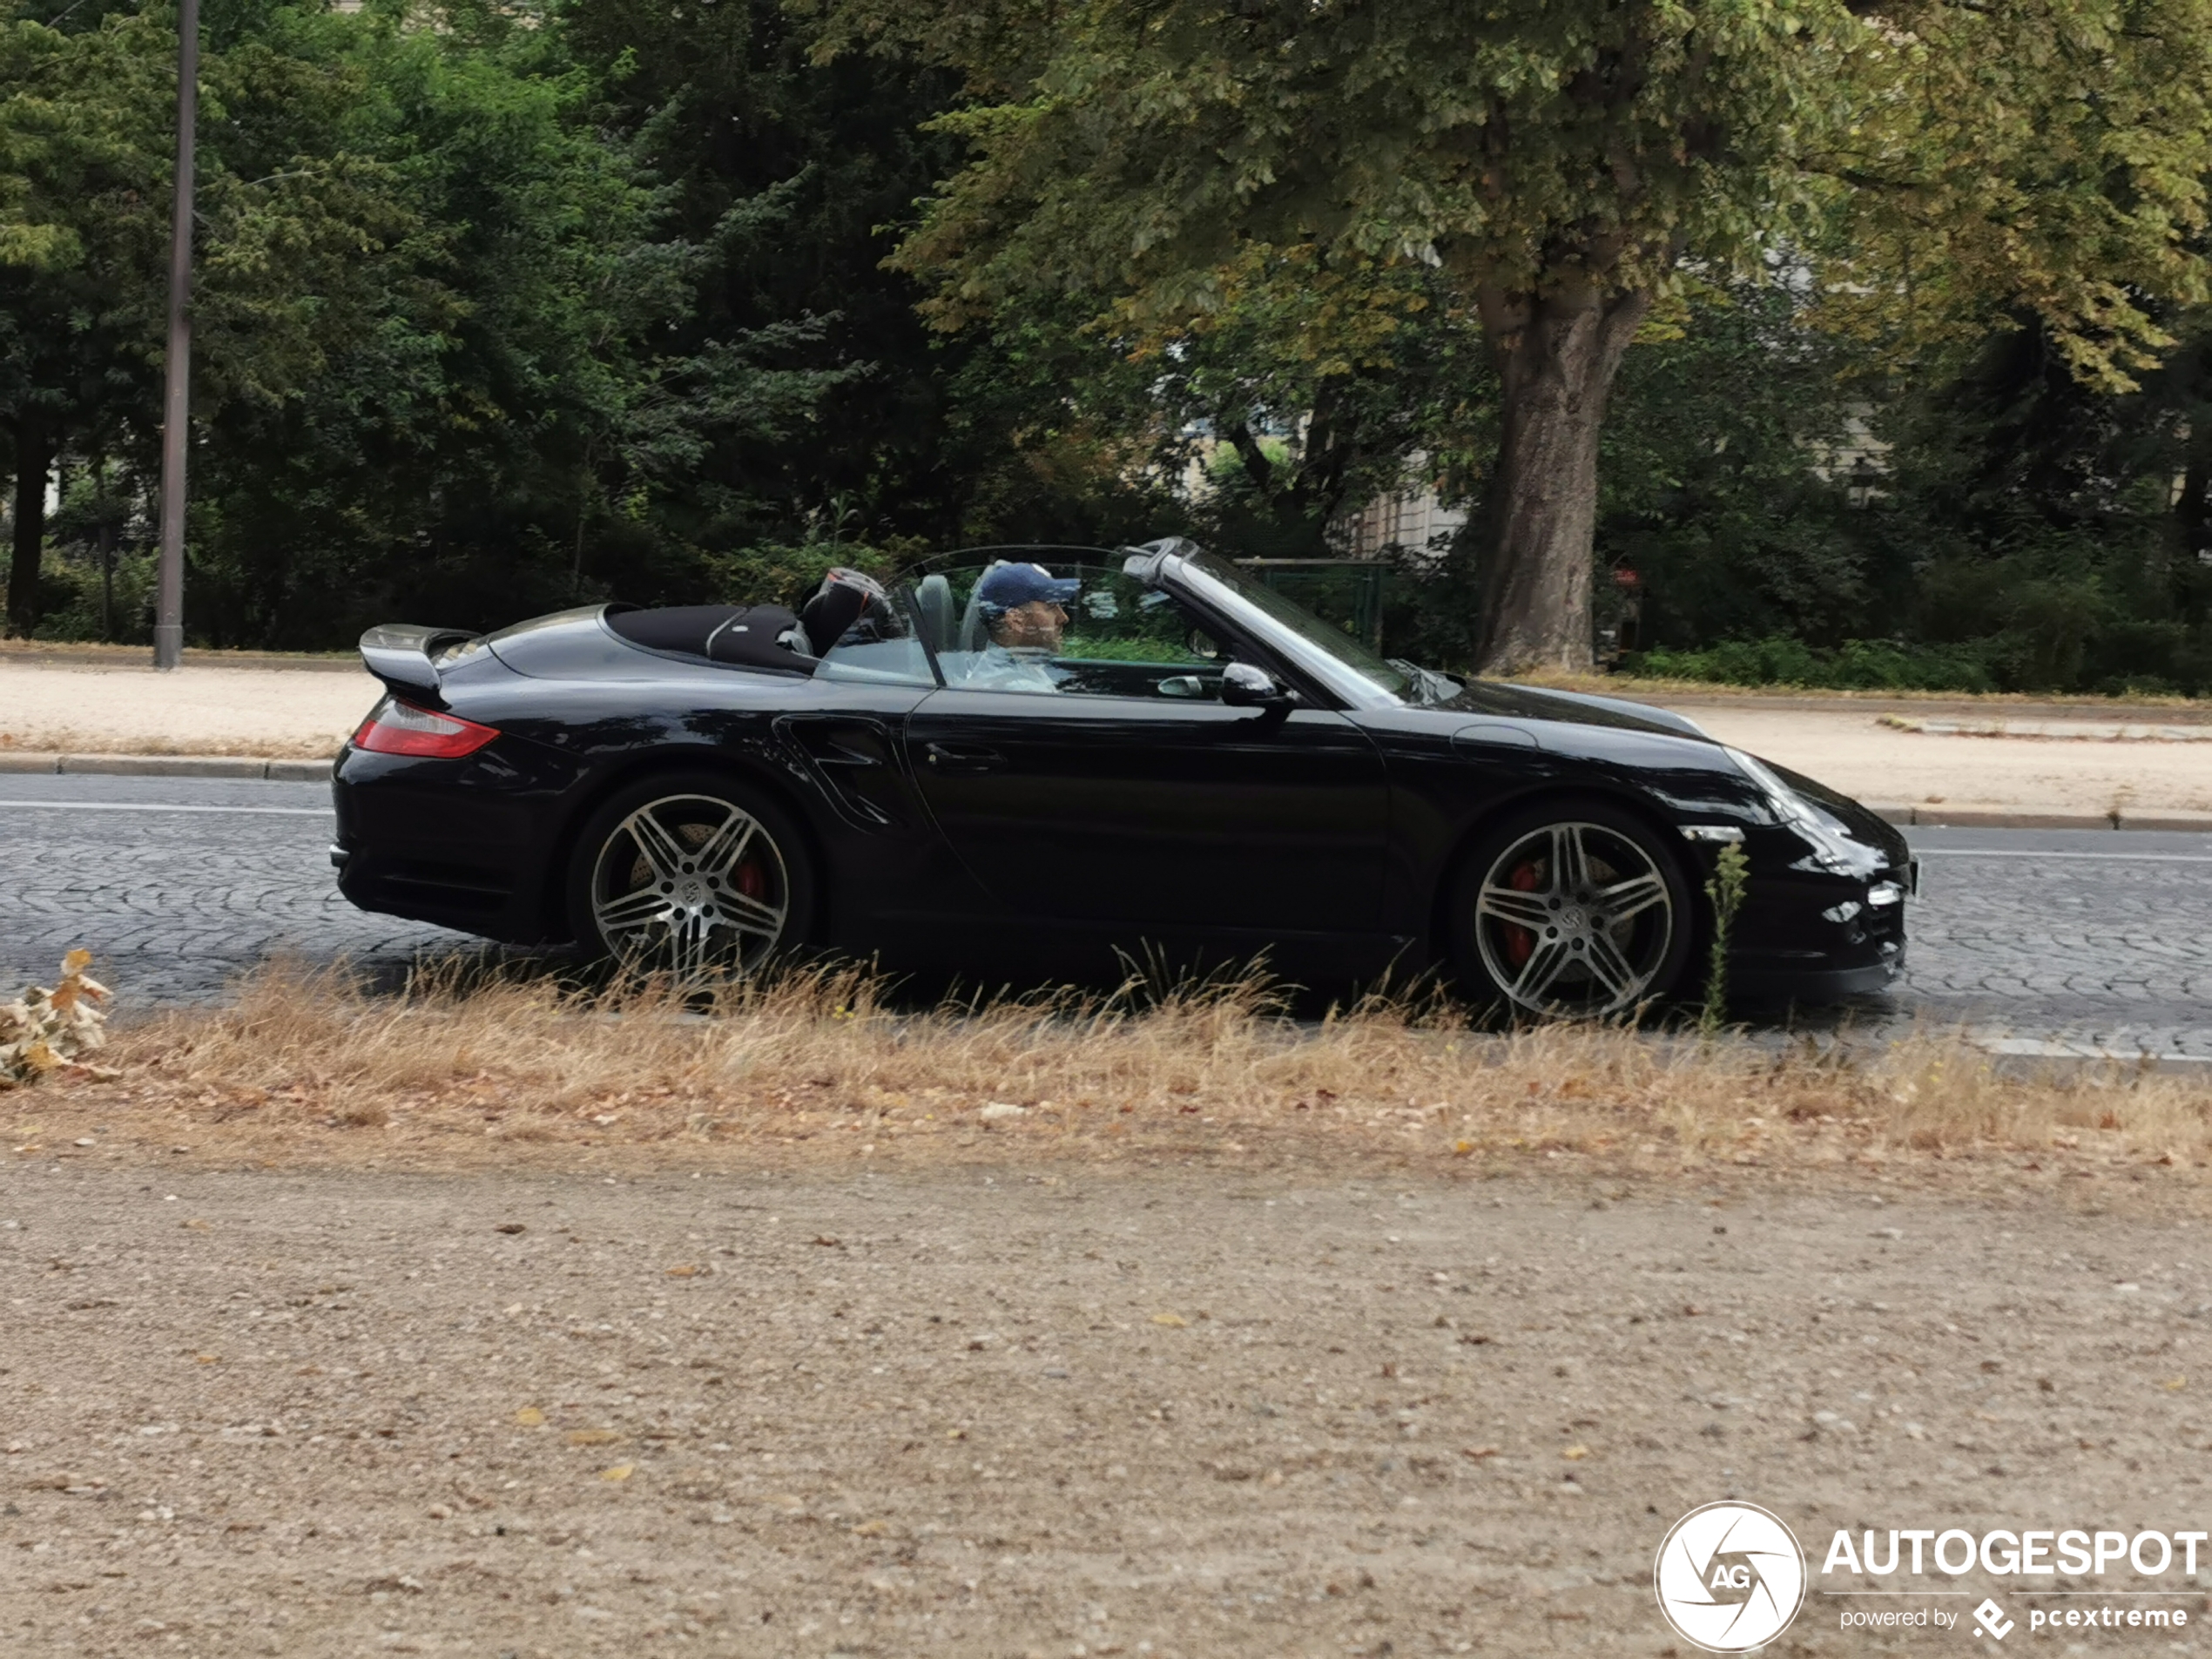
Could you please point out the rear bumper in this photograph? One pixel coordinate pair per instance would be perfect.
(446, 841)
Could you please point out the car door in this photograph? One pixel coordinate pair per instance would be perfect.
(1130, 794)
(892, 878)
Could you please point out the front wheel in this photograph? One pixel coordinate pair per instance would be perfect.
(1573, 908)
(690, 876)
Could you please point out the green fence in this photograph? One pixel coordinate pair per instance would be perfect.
(1348, 592)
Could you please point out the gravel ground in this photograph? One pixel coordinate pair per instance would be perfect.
(75, 708)
(1850, 749)
(1042, 1411)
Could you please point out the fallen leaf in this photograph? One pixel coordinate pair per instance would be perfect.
(870, 1529)
(529, 1416)
(1174, 1320)
(2174, 1384)
(593, 1437)
(1575, 1453)
(195, 1226)
(207, 1358)
(620, 1471)
(1476, 1453)
(510, 1227)
(688, 1270)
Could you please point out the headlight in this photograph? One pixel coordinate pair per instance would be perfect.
(1831, 846)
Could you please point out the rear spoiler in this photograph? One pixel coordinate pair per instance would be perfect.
(400, 653)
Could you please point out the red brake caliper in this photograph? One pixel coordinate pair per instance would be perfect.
(753, 881)
(1518, 941)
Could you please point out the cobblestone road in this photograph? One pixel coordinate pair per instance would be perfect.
(174, 904)
(2084, 936)
(179, 885)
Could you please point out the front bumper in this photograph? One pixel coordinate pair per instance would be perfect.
(1767, 982)
(1809, 934)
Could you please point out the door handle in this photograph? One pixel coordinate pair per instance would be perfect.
(962, 757)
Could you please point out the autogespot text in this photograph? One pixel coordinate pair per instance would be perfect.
(2014, 1554)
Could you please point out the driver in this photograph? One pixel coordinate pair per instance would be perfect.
(1024, 611)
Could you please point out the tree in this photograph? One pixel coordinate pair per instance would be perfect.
(1563, 164)
(80, 173)
(87, 143)
(447, 349)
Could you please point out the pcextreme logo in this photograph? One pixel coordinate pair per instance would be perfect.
(1730, 1577)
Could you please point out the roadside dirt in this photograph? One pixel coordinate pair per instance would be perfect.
(1851, 750)
(282, 713)
(1043, 1410)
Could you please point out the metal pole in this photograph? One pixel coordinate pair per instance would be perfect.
(168, 604)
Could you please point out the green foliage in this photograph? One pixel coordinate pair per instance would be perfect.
(788, 573)
(1713, 493)
(1119, 649)
(1856, 664)
(500, 309)
(1724, 891)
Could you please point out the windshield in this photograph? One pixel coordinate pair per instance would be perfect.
(1348, 651)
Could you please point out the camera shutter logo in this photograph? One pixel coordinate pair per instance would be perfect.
(1729, 1577)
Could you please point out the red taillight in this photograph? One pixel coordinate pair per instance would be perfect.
(397, 728)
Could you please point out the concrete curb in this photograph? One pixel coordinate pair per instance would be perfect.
(1977, 818)
(282, 772)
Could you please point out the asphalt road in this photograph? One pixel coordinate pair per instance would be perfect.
(177, 886)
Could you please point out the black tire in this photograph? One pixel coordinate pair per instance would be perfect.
(717, 875)
(1612, 937)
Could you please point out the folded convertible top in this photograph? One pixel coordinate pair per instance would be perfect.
(741, 635)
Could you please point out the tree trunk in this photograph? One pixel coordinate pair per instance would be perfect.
(34, 459)
(1557, 355)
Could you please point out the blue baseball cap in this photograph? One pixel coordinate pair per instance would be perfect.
(1005, 586)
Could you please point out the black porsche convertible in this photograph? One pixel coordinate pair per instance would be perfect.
(1031, 760)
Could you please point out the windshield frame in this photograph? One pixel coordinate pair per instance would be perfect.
(1351, 672)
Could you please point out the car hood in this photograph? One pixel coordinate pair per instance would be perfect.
(1508, 701)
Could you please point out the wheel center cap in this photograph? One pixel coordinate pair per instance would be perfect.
(1573, 919)
(690, 891)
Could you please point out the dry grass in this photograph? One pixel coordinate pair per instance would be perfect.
(309, 1068)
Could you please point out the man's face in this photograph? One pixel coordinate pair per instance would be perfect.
(1040, 622)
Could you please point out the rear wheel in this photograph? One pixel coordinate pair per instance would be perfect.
(1573, 908)
(691, 876)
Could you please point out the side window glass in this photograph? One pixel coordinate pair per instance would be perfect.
(1110, 637)
(881, 649)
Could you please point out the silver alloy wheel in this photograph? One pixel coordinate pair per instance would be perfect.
(1574, 919)
(689, 885)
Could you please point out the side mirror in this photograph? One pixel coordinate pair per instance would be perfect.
(1245, 686)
